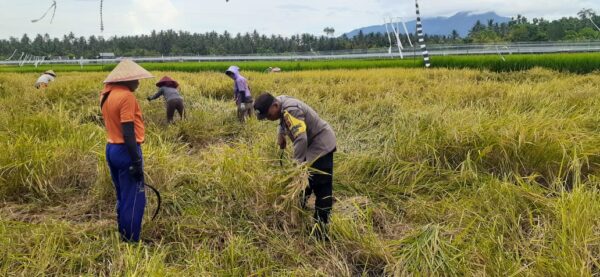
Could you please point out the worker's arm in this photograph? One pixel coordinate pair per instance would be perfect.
(240, 90)
(235, 90)
(159, 93)
(136, 169)
(294, 121)
(127, 116)
(281, 136)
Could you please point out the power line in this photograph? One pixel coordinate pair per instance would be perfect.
(53, 6)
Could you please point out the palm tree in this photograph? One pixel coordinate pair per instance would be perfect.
(586, 13)
(329, 31)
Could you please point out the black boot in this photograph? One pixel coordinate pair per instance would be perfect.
(321, 231)
(305, 196)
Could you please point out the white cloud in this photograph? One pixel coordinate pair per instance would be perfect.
(147, 15)
(531, 8)
(267, 16)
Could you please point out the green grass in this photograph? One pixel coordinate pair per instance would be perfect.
(258, 66)
(440, 172)
(576, 63)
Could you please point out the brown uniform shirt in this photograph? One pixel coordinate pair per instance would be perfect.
(311, 135)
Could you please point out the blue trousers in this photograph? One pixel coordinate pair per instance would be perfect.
(131, 197)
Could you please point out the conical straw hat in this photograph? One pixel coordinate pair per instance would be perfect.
(51, 72)
(127, 70)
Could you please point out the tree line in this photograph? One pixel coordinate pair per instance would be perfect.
(581, 28)
(171, 42)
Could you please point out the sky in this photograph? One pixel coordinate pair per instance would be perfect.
(285, 17)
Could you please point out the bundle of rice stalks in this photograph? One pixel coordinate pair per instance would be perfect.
(292, 189)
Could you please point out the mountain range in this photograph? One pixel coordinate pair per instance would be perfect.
(462, 22)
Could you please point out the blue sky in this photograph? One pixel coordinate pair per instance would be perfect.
(284, 17)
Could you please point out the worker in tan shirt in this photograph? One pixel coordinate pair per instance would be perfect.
(314, 143)
(45, 79)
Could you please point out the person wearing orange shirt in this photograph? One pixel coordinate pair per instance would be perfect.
(125, 133)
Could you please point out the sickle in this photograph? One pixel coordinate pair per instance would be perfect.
(158, 199)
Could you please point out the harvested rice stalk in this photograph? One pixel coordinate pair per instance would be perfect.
(287, 203)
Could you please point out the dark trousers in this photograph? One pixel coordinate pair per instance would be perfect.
(172, 106)
(322, 186)
(246, 112)
(131, 197)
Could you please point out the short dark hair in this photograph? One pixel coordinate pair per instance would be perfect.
(262, 105)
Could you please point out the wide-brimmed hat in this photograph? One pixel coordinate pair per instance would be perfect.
(127, 70)
(50, 72)
(168, 82)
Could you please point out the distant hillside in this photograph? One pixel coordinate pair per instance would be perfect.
(461, 22)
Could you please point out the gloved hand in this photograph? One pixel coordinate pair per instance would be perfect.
(242, 106)
(136, 170)
(281, 142)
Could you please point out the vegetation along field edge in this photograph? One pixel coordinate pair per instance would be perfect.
(580, 63)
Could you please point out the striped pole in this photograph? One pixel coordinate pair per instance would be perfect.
(421, 37)
(101, 16)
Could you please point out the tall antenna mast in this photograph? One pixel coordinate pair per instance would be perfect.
(594, 24)
(388, 35)
(407, 33)
(11, 56)
(396, 33)
(422, 37)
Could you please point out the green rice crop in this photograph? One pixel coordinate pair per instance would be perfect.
(575, 63)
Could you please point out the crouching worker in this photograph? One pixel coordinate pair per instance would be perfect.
(168, 88)
(45, 79)
(241, 93)
(314, 143)
(125, 132)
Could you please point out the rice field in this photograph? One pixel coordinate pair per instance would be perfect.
(580, 63)
(442, 172)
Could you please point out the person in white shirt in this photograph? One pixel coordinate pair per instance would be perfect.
(45, 79)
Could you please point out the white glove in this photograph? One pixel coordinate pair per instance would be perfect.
(242, 106)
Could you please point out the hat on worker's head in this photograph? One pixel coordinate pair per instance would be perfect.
(50, 72)
(233, 70)
(127, 70)
(262, 105)
(167, 82)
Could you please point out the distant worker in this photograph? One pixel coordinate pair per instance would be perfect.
(168, 88)
(45, 79)
(241, 93)
(273, 70)
(314, 143)
(125, 133)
